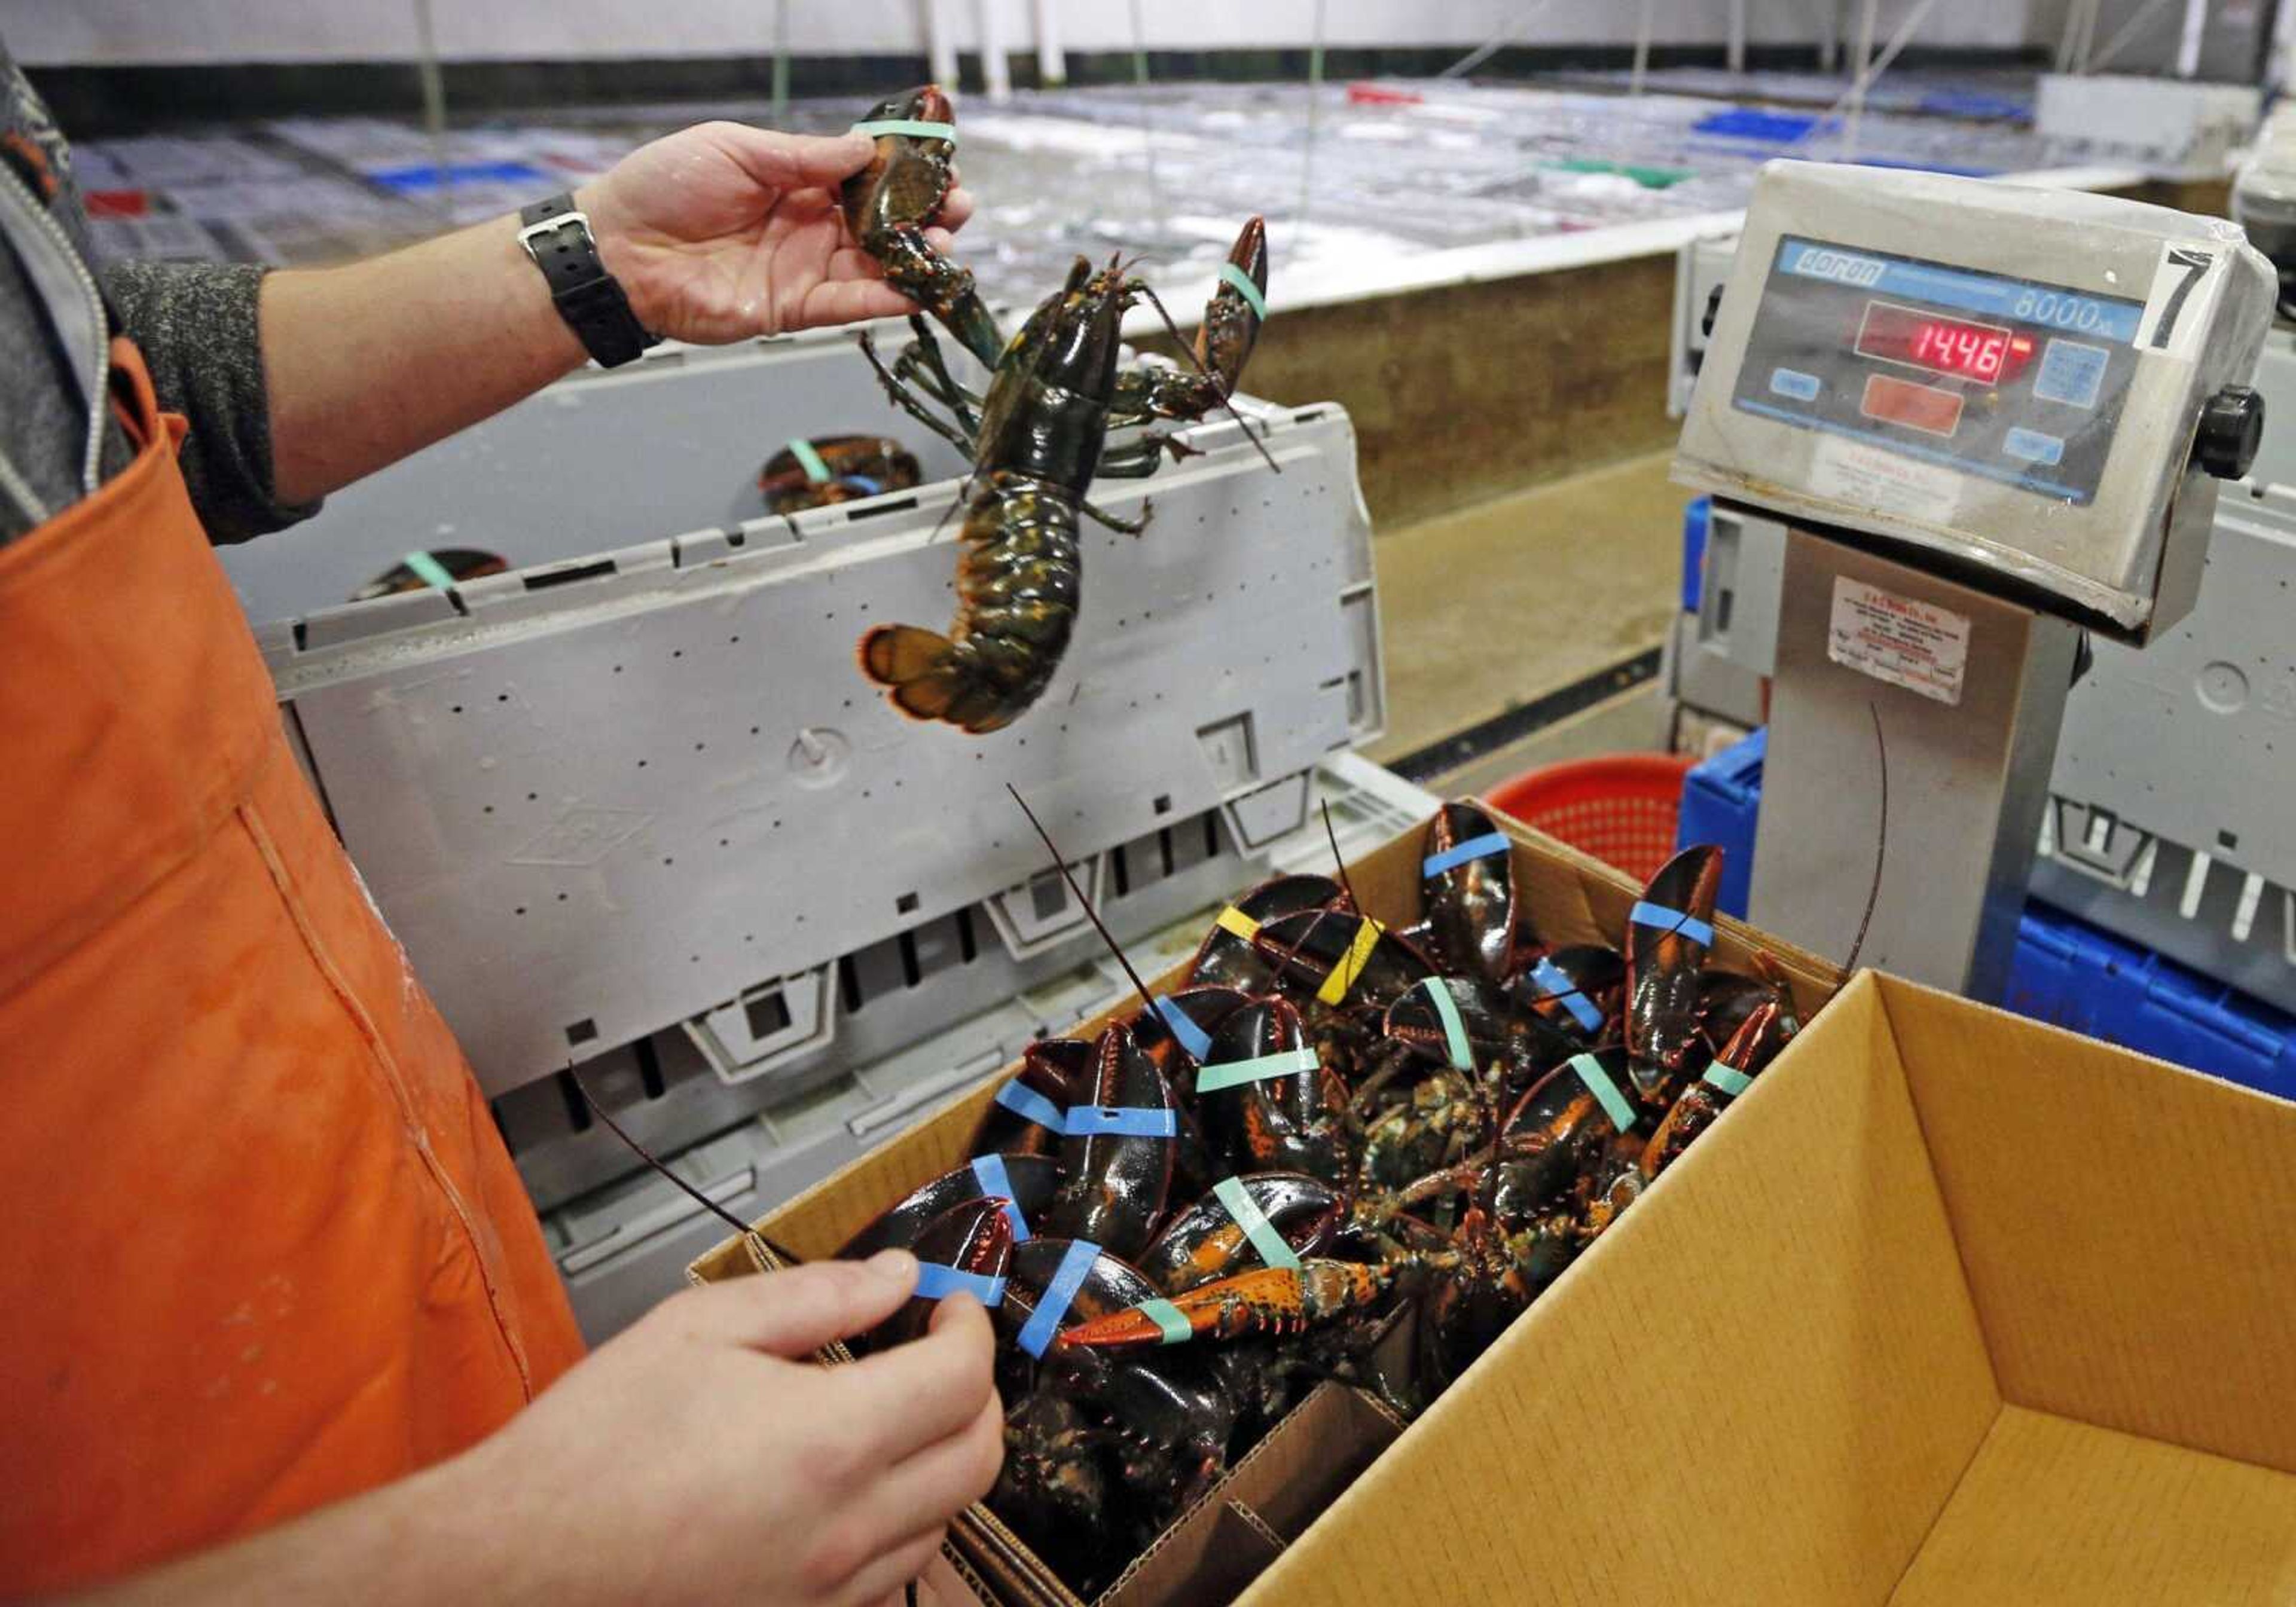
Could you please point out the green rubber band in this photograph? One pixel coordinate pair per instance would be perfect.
(911, 126)
(428, 571)
(1606, 1093)
(1167, 1316)
(1259, 1068)
(1237, 1199)
(1454, 1030)
(1232, 275)
(1728, 1078)
(808, 460)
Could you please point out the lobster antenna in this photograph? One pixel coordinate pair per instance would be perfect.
(1332, 838)
(1098, 925)
(1881, 844)
(1189, 351)
(648, 1156)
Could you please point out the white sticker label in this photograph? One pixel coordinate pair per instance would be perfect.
(2173, 321)
(1869, 477)
(1916, 646)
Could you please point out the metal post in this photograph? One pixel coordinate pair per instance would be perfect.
(1968, 781)
(1314, 117)
(996, 60)
(1052, 61)
(2188, 47)
(1738, 56)
(1829, 35)
(941, 50)
(781, 63)
(1866, 21)
(434, 110)
(1642, 50)
(1147, 127)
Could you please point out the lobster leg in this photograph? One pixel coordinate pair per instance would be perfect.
(1117, 522)
(923, 363)
(907, 401)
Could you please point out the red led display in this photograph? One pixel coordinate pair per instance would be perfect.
(1987, 353)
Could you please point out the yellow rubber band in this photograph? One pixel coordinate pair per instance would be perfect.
(1233, 920)
(1351, 963)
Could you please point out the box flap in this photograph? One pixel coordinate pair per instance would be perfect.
(1785, 1313)
(2117, 1218)
(2057, 1513)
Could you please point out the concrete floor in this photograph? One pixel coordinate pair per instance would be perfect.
(1491, 606)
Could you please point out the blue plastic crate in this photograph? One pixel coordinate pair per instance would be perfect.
(2078, 976)
(1697, 515)
(1754, 123)
(2066, 971)
(1720, 799)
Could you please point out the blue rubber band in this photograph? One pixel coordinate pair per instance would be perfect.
(1131, 1121)
(1672, 920)
(869, 487)
(1170, 1319)
(1191, 1037)
(1454, 1030)
(997, 1184)
(1606, 1093)
(1045, 1322)
(1259, 1068)
(1728, 1078)
(936, 1282)
(1459, 853)
(914, 127)
(1029, 1105)
(1564, 991)
(1232, 275)
(1272, 1246)
(807, 459)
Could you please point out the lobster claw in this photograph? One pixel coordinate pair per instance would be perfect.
(1231, 321)
(972, 1243)
(1667, 935)
(1117, 1156)
(1270, 1300)
(1025, 1182)
(1467, 884)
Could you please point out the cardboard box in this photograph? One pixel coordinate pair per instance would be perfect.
(1954, 1308)
(1203, 1559)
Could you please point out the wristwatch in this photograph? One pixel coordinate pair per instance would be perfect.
(558, 237)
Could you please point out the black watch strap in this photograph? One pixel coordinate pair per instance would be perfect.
(558, 238)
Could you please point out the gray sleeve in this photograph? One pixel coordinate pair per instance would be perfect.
(195, 324)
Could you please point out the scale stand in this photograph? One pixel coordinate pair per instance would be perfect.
(1950, 426)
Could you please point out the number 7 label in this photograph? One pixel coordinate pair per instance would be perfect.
(2167, 326)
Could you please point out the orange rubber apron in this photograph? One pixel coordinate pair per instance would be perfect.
(263, 1248)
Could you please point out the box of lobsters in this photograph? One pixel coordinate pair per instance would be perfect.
(1238, 1233)
(1956, 1310)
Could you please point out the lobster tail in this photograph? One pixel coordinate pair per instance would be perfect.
(915, 666)
(928, 680)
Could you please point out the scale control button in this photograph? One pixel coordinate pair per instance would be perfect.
(2072, 373)
(1794, 383)
(2031, 447)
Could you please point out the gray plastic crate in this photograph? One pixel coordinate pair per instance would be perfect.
(671, 442)
(623, 1246)
(2171, 822)
(603, 797)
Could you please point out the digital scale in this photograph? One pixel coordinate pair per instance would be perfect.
(1950, 426)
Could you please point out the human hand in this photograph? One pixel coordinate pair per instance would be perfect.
(721, 232)
(700, 1456)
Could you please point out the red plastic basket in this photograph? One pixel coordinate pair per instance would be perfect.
(1620, 808)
